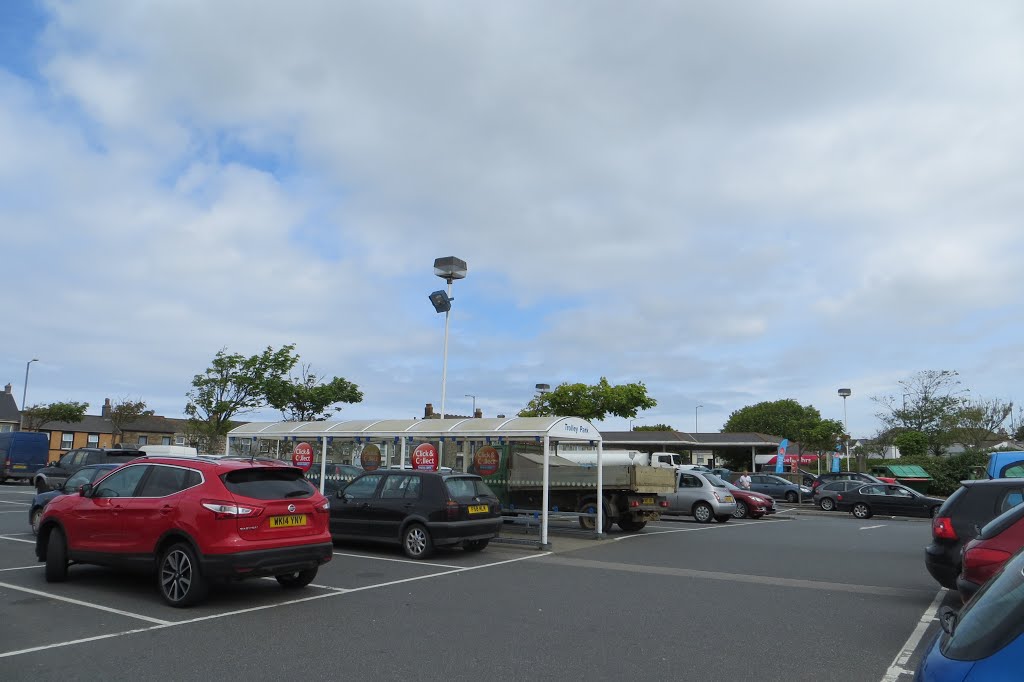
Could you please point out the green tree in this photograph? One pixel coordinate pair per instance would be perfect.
(786, 418)
(930, 402)
(126, 411)
(305, 398)
(37, 416)
(593, 402)
(232, 385)
(911, 444)
(981, 420)
(653, 427)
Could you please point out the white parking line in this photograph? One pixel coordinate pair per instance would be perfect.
(334, 592)
(685, 530)
(22, 568)
(12, 511)
(896, 668)
(8, 537)
(400, 561)
(23, 504)
(85, 603)
(881, 525)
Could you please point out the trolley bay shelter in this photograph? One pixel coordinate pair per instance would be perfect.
(393, 442)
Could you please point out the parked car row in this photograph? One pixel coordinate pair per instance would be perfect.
(192, 521)
(978, 549)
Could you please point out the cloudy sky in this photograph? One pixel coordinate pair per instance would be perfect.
(729, 202)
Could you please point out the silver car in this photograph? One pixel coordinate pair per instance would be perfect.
(779, 488)
(701, 495)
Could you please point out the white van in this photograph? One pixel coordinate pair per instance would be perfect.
(171, 450)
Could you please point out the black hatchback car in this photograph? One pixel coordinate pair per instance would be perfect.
(960, 519)
(419, 510)
(53, 475)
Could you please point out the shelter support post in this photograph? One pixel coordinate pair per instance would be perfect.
(323, 464)
(600, 488)
(545, 493)
(753, 459)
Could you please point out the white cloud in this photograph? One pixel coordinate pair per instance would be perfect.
(729, 207)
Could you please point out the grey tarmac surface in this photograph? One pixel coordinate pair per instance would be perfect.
(816, 598)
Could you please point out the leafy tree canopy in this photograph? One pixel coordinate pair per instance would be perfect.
(37, 416)
(125, 411)
(786, 418)
(911, 444)
(307, 398)
(930, 403)
(591, 402)
(235, 384)
(653, 427)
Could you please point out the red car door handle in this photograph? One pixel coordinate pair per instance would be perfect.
(166, 509)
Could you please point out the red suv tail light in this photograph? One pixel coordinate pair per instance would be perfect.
(453, 510)
(985, 561)
(230, 510)
(942, 528)
(324, 507)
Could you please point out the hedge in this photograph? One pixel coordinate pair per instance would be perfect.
(947, 472)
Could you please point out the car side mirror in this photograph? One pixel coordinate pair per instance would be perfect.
(85, 490)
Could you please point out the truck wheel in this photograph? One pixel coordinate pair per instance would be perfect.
(631, 526)
(590, 523)
(703, 512)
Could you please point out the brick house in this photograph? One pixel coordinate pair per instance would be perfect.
(98, 431)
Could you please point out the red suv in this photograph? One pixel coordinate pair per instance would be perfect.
(192, 520)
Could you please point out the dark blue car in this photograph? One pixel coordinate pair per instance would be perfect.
(985, 641)
(86, 474)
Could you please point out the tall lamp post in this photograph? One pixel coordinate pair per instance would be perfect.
(696, 429)
(24, 394)
(845, 393)
(634, 419)
(470, 395)
(449, 268)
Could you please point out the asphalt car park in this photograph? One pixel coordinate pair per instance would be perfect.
(823, 596)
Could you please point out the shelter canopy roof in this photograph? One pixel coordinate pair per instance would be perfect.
(557, 428)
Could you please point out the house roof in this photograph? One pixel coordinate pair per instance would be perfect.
(92, 423)
(9, 408)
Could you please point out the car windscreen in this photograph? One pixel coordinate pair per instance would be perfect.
(467, 488)
(268, 483)
(993, 619)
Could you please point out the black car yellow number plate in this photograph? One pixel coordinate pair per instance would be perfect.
(479, 508)
(648, 500)
(287, 521)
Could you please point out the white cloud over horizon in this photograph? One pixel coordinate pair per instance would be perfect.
(728, 206)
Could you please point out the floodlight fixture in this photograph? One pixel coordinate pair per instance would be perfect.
(441, 301)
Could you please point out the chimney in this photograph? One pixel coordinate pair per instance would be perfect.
(105, 412)
(428, 411)
(479, 414)
(7, 389)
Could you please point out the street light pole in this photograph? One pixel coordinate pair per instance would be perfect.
(470, 395)
(634, 419)
(448, 268)
(24, 394)
(845, 393)
(696, 428)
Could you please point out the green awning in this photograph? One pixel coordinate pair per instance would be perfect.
(908, 471)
